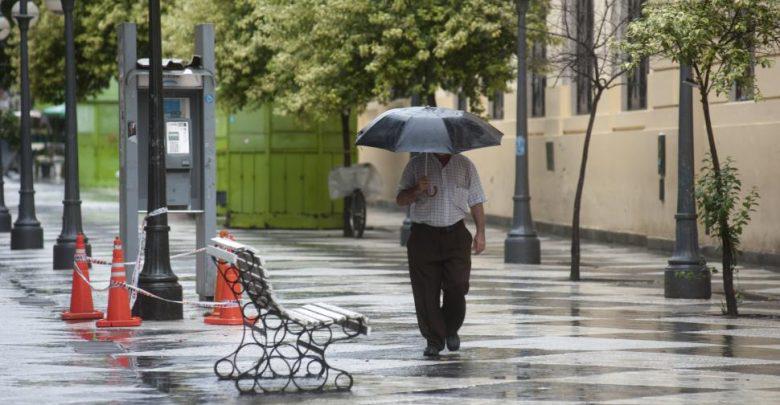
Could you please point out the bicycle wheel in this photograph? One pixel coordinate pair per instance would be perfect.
(358, 214)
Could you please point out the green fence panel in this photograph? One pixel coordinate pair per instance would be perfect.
(98, 139)
(278, 170)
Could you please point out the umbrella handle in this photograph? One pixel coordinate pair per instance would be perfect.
(435, 191)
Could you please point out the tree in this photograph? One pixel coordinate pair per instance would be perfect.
(587, 55)
(9, 128)
(721, 40)
(7, 69)
(462, 46)
(95, 30)
(241, 51)
(321, 50)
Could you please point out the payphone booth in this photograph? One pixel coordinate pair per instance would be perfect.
(189, 104)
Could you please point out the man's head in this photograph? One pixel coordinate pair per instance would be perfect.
(443, 158)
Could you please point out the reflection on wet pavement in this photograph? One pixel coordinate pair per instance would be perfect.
(530, 334)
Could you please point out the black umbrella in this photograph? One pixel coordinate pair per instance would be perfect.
(428, 129)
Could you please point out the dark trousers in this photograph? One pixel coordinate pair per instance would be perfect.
(439, 259)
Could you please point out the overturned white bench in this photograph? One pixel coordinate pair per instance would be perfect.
(282, 349)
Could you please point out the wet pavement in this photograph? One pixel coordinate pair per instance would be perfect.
(530, 335)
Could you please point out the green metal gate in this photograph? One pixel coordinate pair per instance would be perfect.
(98, 139)
(277, 171)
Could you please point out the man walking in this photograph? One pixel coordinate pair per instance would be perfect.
(442, 190)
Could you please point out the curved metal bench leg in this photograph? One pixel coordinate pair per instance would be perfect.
(276, 353)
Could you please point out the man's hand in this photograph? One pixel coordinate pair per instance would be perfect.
(409, 195)
(479, 243)
(423, 185)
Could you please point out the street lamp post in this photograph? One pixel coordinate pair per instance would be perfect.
(522, 244)
(27, 232)
(65, 247)
(157, 276)
(5, 215)
(687, 275)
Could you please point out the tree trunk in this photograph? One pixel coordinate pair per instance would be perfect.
(347, 146)
(430, 99)
(575, 223)
(727, 258)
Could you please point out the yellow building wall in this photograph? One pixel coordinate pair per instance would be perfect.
(621, 188)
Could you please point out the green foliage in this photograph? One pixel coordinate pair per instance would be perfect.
(719, 39)
(95, 29)
(318, 56)
(7, 71)
(9, 127)
(721, 201)
(321, 49)
(463, 46)
(241, 46)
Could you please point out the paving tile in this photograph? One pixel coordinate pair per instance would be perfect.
(655, 360)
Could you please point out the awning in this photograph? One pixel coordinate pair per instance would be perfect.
(55, 111)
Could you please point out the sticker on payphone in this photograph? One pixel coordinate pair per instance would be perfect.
(178, 137)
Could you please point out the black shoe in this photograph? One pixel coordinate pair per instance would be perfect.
(431, 351)
(453, 343)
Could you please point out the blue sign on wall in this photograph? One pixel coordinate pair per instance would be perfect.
(520, 146)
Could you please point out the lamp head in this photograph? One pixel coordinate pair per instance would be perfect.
(32, 11)
(5, 28)
(55, 6)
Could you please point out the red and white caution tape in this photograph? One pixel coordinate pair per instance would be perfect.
(113, 284)
(103, 262)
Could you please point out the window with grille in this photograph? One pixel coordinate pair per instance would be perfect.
(636, 78)
(742, 90)
(584, 45)
(463, 102)
(538, 83)
(497, 105)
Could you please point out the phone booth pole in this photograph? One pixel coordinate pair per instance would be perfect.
(157, 276)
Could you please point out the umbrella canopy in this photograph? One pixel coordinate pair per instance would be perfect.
(428, 130)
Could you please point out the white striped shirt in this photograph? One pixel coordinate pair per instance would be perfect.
(457, 188)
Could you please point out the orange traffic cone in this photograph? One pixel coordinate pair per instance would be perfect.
(219, 287)
(230, 314)
(81, 307)
(118, 300)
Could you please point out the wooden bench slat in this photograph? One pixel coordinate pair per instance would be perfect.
(330, 314)
(302, 318)
(319, 317)
(339, 310)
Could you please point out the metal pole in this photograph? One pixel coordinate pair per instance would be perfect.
(522, 244)
(687, 275)
(157, 276)
(27, 232)
(406, 228)
(65, 247)
(5, 215)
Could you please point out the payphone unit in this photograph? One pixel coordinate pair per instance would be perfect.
(189, 105)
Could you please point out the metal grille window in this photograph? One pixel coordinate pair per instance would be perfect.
(636, 78)
(549, 148)
(584, 43)
(538, 83)
(497, 106)
(743, 91)
(463, 102)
